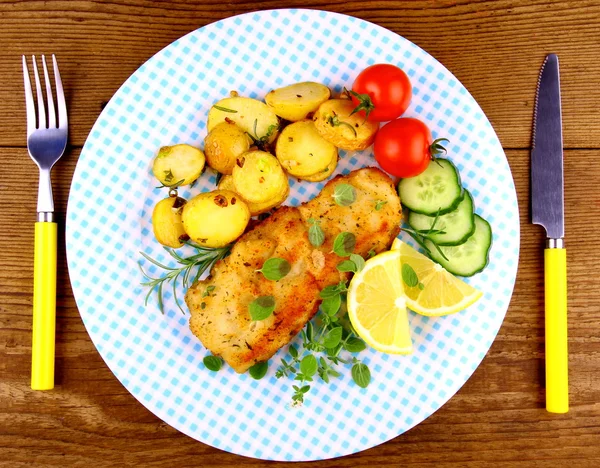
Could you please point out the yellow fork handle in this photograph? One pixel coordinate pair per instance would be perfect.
(44, 307)
(557, 358)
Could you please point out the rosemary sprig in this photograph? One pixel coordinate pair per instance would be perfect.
(197, 263)
(421, 235)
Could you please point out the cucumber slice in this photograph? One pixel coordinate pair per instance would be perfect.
(469, 257)
(458, 225)
(435, 190)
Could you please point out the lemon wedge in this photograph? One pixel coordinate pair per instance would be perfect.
(437, 291)
(377, 305)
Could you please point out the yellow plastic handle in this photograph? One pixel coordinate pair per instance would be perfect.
(557, 357)
(44, 307)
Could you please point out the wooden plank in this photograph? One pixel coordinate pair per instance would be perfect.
(496, 419)
(494, 48)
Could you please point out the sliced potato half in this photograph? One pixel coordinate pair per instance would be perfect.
(226, 183)
(258, 177)
(302, 151)
(336, 123)
(251, 115)
(324, 174)
(295, 102)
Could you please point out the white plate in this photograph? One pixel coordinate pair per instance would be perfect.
(108, 223)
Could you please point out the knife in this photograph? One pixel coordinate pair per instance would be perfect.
(547, 209)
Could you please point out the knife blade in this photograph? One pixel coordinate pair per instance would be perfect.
(547, 153)
(547, 210)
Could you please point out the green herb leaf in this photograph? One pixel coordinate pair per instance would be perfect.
(358, 261)
(333, 290)
(344, 194)
(371, 253)
(293, 351)
(212, 363)
(361, 374)
(344, 244)
(332, 338)
(409, 276)
(379, 204)
(259, 370)
(309, 365)
(421, 286)
(316, 236)
(346, 265)
(331, 305)
(209, 289)
(275, 268)
(262, 307)
(354, 345)
(225, 109)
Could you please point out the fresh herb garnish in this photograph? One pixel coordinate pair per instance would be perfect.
(358, 261)
(213, 363)
(316, 236)
(379, 204)
(225, 109)
(208, 290)
(344, 244)
(344, 194)
(361, 373)
(328, 336)
(335, 121)
(262, 143)
(420, 235)
(261, 308)
(259, 370)
(275, 268)
(201, 261)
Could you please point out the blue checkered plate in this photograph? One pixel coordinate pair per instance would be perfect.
(155, 356)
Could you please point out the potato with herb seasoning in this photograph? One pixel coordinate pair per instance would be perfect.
(178, 165)
(224, 144)
(336, 123)
(296, 101)
(167, 223)
(258, 177)
(325, 173)
(215, 219)
(251, 115)
(226, 183)
(302, 151)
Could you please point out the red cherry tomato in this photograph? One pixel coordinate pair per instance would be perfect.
(383, 91)
(404, 147)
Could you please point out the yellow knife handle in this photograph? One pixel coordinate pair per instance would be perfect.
(44, 307)
(557, 358)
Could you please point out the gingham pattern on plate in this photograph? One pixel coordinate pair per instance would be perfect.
(109, 222)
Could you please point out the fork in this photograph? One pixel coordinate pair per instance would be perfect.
(46, 143)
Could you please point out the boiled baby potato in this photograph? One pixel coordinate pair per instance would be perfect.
(302, 151)
(295, 102)
(324, 174)
(167, 223)
(226, 183)
(251, 115)
(222, 146)
(258, 177)
(178, 165)
(214, 219)
(335, 123)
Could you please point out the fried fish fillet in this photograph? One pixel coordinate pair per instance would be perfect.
(219, 304)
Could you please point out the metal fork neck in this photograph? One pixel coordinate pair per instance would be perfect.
(45, 202)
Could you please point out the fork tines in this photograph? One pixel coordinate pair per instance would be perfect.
(41, 122)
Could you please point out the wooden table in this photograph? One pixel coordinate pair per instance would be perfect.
(495, 48)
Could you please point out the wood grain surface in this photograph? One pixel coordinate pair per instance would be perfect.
(497, 419)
